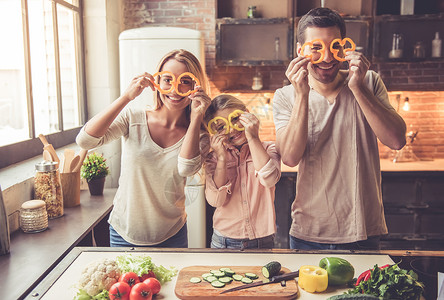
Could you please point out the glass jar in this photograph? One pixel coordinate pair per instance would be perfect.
(419, 50)
(252, 12)
(48, 188)
(33, 216)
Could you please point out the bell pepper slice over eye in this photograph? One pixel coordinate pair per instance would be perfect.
(194, 78)
(157, 85)
(235, 114)
(214, 120)
(342, 43)
(313, 279)
(310, 55)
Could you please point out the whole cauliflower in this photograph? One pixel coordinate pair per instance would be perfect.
(98, 276)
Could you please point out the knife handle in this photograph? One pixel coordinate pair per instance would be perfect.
(286, 276)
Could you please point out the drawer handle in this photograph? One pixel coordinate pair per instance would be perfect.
(417, 206)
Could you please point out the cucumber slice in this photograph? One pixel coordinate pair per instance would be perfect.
(271, 269)
(211, 278)
(237, 277)
(229, 272)
(217, 284)
(246, 280)
(195, 280)
(214, 271)
(219, 274)
(205, 275)
(226, 279)
(251, 276)
(224, 269)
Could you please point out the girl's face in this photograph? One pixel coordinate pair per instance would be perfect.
(172, 100)
(234, 137)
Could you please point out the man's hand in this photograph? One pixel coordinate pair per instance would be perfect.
(297, 74)
(359, 66)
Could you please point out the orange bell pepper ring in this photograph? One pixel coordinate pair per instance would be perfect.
(157, 85)
(342, 43)
(310, 55)
(194, 78)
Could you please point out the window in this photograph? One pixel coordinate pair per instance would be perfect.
(41, 76)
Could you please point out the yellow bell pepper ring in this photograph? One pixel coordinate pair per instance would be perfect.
(313, 279)
(234, 114)
(210, 123)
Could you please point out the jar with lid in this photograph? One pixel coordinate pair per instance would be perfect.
(48, 188)
(419, 50)
(252, 12)
(33, 216)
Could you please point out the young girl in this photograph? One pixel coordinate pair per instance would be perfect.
(161, 147)
(241, 173)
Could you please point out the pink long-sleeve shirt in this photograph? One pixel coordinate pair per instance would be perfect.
(245, 205)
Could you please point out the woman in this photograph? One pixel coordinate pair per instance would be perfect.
(161, 147)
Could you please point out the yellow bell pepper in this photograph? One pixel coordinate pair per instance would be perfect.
(313, 279)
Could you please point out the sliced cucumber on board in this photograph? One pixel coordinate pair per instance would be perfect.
(195, 280)
(217, 284)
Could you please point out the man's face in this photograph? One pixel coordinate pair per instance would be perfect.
(327, 70)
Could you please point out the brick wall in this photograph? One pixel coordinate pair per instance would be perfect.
(427, 107)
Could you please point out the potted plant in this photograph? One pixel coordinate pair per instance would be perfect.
(94, 170)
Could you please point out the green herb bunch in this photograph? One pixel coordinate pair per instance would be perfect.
(391, 283)
(94, 166)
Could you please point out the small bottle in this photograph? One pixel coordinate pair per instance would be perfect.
(436, 46)
(251, 13)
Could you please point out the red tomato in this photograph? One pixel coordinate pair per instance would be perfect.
(129, 277)
(146, 276)
(141, 291)
(154, 285)
(119, 290)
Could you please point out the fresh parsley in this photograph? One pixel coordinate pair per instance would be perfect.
(391, 283)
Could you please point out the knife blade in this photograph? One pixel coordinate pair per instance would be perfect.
(273, 279)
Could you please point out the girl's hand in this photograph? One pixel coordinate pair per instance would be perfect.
(217, 144)
(138, 84)
(297, 74)
(251, 124)
(359, 66)
(199, 103)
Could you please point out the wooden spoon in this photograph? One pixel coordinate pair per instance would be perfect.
(49, 147)
(82, 155)
(69, 155)
(74, 163)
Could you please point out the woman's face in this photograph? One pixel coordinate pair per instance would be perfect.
(172, 100)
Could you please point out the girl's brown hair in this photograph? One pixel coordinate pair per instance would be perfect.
(222, 102)
(193, 65)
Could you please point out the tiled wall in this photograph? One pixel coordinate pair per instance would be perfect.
(427, 108)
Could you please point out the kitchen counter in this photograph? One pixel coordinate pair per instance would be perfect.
(60, 283)
(33, 255)
(436, 165)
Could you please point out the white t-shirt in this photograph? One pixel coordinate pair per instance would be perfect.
(149, 206)
(338, 190)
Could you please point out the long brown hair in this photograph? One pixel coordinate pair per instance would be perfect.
(193, 65)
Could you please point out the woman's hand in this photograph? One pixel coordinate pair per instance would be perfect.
(217, 144)
(359, 66)
(199, 103)
(297, 74)
(138, 84)
(251, 124)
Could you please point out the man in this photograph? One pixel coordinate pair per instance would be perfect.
(328, 121)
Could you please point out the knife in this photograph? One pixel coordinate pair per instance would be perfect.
(273, 279)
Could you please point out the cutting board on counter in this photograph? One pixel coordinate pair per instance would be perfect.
(204, 290)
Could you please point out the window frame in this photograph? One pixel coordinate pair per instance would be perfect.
(20, 151)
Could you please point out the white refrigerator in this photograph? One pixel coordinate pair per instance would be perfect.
(140, 50)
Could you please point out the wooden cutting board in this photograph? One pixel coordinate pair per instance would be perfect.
(204, 290)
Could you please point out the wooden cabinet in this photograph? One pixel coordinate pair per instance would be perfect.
(413, 206)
